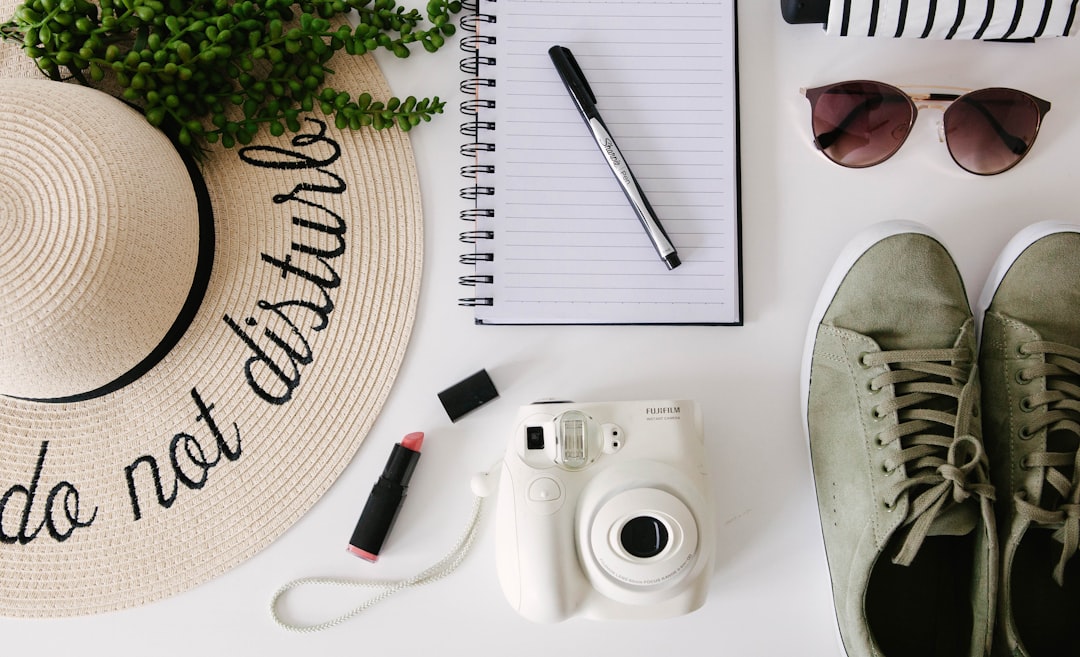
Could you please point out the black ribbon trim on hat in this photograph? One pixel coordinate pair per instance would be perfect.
(186, 316)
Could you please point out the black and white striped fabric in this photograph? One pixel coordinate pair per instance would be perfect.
(952, 19)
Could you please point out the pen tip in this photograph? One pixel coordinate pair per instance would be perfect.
(672, 260)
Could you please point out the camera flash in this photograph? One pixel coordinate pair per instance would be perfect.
(572, 439)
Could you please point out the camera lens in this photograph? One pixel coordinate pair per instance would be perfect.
(644, 537)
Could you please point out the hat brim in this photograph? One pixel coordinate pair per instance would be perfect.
(212, 454)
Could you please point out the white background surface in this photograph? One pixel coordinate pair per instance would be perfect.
(769, 594)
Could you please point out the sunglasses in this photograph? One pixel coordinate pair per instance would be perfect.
(862, 123)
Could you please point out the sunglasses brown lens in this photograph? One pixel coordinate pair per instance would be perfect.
(990, 130)
(859, 124)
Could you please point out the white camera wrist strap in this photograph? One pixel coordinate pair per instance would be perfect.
(483, 485)
(439, 570)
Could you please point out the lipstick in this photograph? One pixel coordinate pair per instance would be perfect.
(386, 499)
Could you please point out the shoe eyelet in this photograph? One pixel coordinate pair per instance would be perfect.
(862, 360)
(889, 506)
(1021, 350)
(1022, 378)
(1024, 434)
(876, 412)
(873, 388)
(1024, 463)
(878, 441)
(1025, 405)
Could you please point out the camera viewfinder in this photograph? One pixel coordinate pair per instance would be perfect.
(534, 437)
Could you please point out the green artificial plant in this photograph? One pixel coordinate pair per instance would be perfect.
(218, 70)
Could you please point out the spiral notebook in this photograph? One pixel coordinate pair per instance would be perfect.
(554, 240)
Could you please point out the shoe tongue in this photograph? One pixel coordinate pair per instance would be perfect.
(957, 520)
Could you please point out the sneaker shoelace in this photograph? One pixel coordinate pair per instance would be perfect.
(941, 453)
(1059, 402)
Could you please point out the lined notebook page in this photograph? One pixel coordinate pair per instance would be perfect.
(567, 245)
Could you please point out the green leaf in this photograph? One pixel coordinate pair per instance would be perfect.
(155, 115)
(183, 49)
(291, 121)
(27, 16)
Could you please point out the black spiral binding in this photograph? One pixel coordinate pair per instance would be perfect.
(475, 85)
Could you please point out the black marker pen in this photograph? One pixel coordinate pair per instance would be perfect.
(585, 101)
(386, 498)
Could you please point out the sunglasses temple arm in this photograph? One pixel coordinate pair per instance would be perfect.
(1015, 144)
(826, 139)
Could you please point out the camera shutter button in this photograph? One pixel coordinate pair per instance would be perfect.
(544, 489)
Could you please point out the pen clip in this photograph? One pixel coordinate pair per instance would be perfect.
(568, 66)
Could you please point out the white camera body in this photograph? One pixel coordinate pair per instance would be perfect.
(605, 511)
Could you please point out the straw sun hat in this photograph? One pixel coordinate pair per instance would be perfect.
(183, 371)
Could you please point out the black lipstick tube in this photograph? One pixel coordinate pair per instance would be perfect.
(382, 507)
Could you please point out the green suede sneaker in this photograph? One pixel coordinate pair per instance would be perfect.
(1030, 371)
(891, 394)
